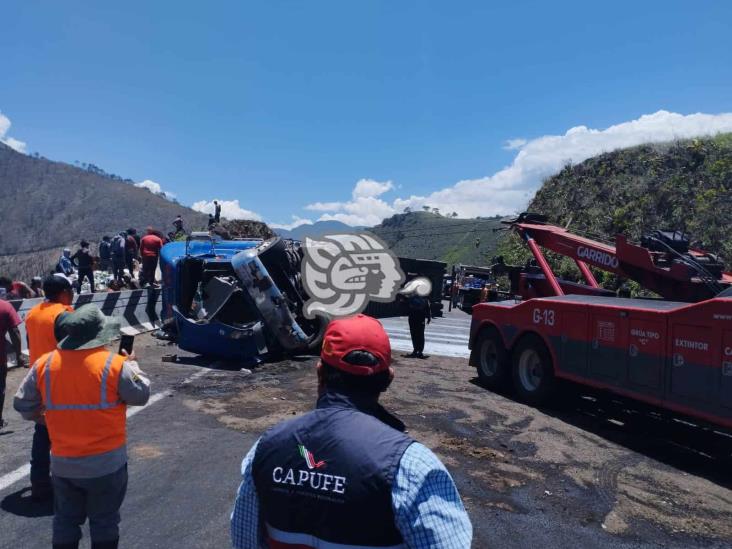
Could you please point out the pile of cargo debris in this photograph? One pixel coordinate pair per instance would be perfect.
(243, 228)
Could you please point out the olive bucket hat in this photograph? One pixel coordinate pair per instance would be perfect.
(86, 328)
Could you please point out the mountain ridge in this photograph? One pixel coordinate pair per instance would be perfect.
(48, 205)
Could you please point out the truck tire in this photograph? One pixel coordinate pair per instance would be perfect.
(491, 359)
(533, 372)
(273, 252)
(316, 339)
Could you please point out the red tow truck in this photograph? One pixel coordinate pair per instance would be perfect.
(674, 352)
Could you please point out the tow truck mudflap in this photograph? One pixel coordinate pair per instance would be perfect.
(268, 300)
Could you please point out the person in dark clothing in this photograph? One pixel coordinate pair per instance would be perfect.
(84, 262)
(178, 224)
(346, 474)
(217, 210)
(131, 251)
(119, 243)
(419, 313)
(136, 236)
(211, 221)
(105, 254)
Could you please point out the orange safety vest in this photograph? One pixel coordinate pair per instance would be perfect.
(39, 325)
(84, 415)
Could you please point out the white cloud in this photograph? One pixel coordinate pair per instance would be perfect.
(230, 209)
(296, 222)
(5, 138)
(514, 144)
(365, 208)
(324, 206)
(367, 188)
(154, 187)
(510, 189)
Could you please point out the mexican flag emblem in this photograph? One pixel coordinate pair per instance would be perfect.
(310, 458)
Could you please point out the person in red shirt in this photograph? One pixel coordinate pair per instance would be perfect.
(150, 246)
(9, 322)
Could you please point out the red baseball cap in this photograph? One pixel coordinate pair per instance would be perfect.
(356, 333)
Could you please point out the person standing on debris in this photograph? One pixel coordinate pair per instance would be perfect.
(85, 390)
(43, 335)
(131, 251)
(64, 265)
(84, 262)
(178, 224)
(211, 221)
(345, 474)
(150, 247)
(118, 255)
(105, 254)
(419, 312)
(9, 322)
(217, 212)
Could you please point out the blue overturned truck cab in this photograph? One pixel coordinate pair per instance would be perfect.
(238, 300)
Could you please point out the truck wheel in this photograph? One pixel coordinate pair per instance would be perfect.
(533, 373)
(491, 359)
(316, 338)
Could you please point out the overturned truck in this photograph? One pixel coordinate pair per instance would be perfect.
(237, 299)
(243, 299)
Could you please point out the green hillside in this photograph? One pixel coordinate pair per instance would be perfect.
(684, 185)
(427, 235)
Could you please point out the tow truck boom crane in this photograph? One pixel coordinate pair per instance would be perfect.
(674, 353)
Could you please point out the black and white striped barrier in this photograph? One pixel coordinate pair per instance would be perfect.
(138, 310)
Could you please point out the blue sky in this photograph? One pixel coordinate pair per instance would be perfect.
(281, 105)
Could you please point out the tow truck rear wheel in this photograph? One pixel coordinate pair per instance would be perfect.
(533, 373)
(491, 359)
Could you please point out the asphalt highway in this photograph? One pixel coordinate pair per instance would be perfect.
(593, 473)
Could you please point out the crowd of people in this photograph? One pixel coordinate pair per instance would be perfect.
(345, 474)
(125, 260)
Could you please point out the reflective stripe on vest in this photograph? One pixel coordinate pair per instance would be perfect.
(103, 404)
(279, 539)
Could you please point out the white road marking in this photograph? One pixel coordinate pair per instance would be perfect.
(443, 336)
(11, 478)
(24, 470)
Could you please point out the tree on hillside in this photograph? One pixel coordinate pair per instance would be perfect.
(454, 214)
(436, 211)
(426, 208)
(407, 210)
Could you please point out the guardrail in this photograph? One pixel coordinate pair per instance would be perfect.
(138, 310)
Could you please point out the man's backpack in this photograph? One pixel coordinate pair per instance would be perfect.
(118, 246)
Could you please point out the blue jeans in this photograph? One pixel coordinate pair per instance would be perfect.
(99, 499)
(40, 455)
